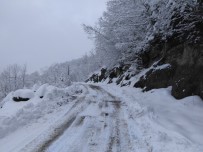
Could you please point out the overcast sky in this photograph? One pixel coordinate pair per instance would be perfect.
(42, 32)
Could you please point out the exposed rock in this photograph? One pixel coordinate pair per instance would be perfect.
(185, 74)
(114, 73)
(181, 48)
(118, 73)
(93, 78)
(19, 99)
(97, 77)
(102, 74)
(160, 78)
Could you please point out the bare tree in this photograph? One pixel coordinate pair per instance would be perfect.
(23, 74)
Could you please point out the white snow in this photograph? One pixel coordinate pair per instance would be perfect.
(40, 92)
(182, 116)
(89, 117)
(24, 93)
(161, 67)
(35, 87)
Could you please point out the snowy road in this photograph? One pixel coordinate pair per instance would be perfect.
(100, 126)
(107, 119)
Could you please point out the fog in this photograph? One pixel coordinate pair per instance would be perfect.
(42, 32)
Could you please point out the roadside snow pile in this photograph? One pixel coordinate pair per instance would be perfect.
(35, 87)
(103, 118)
(14, 115)
(41, 91)
(183, 117)
(23, 95)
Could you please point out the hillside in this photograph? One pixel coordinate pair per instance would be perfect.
(171, 56)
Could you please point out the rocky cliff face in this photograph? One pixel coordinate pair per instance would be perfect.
(175, 61)
(179, 66)
(183, 50)
(185, 73)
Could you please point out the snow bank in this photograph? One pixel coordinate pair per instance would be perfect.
(184, 117)
(24, 94)
(41, 91)
(100, 116)
(14, 115)
(35, 87)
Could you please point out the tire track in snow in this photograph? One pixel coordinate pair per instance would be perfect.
(55, 132)
(80, 120)
(90, 130)
(101, 120)
(114, 139)
(58, 132)
(119, 139)
(92, 134)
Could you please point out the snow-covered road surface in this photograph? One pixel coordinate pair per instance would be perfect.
(107, 118)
